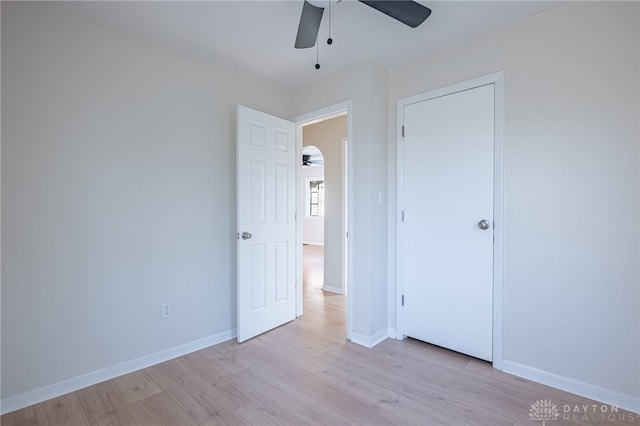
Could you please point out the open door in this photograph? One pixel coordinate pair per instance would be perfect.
(266, 167)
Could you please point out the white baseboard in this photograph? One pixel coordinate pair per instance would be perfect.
(332, 289)
(370, 341)
(71, 385)
(586, 390)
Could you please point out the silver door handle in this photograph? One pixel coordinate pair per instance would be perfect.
(484, 224)
(246, 235)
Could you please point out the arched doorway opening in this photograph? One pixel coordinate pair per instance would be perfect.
(313, 228)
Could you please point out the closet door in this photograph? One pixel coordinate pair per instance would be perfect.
(447, 244)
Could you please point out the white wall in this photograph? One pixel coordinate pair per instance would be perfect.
(366, 85)
(313, 226)
(118, 193)
(327, 135)
(571, 172)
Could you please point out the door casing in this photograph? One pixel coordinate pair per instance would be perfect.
(498, 201)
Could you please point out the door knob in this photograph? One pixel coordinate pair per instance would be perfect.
(246, 235)
(484, 224)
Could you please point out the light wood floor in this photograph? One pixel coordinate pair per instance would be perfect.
(305, 372)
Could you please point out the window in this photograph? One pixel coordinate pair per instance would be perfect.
(316, 198)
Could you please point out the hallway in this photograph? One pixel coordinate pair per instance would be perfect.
(324, 309)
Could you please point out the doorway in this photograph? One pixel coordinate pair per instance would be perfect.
(313, 187)
(313, 229)
(323, 201)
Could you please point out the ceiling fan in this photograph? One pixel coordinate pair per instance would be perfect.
(312, 156)
(408, 12)
(312, 160)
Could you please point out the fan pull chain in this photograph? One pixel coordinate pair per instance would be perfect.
(329, 40)
(317, 55)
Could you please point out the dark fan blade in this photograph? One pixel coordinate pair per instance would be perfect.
(408, 12)
(309, 25)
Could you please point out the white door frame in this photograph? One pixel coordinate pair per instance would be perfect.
(497, 79)
(300, 121)
(344, 194)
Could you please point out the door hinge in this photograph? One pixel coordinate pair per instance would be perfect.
(403, 300)
(402, 216)
(403, 130)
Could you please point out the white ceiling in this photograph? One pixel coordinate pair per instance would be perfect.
(257, 37)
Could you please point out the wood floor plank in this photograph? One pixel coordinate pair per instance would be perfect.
(224, 359)
(23, 417)
(104, 404)
(161, 409)
(137, 386)
(266, 400)
(190, 392)
(366, 363)
(298, 397)
(64, 410)
(326, 372)
(231, 391)
(422, 352)
(394, 403)
(261, 414)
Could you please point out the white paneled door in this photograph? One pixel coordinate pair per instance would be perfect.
(266, 167)
(447, 233)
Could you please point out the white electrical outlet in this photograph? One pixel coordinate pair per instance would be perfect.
(165, 310)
